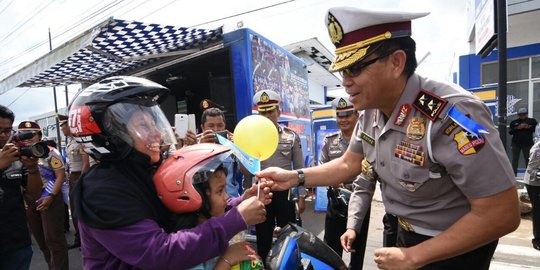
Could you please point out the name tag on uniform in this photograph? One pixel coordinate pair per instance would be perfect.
(364, 136)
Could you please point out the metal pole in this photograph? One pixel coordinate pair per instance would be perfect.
(58, 137)
(501, 45)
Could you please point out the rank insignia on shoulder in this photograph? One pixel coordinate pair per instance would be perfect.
(429, 104)
(404, 111)
(416, 128)
(467, 143)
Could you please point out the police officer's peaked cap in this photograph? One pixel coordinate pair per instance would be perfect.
(207, 104)
(354, 30)
(29, 126)
(343, 106)
(266, 100)
(522, 111)
(62, 119)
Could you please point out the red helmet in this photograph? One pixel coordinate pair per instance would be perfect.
(186, 167)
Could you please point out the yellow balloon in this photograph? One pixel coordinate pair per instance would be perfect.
(257, 136)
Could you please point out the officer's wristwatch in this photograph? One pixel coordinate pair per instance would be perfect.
(301, 178)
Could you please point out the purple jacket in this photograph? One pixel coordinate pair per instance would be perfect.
(144, 245)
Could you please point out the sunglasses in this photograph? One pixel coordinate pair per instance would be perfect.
(355, 69)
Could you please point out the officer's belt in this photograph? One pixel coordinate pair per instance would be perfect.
(407, 226)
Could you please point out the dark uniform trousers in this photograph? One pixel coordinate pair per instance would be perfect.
(534, 195)
(390, 232)
(478, 259)
(279, 212)
(73, 177)
(335, 226)
(48, 230)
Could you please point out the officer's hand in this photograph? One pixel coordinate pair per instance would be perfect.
(347, 240)
(44, 203)
(252, 211)
(301, 204)
(191, 138)
(265, 194)
(208, 136)
(283, 179)
(394, 258)
(8, 155)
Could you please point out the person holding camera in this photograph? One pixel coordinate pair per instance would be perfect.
(19, 175)
(46, 214)
(212, 123)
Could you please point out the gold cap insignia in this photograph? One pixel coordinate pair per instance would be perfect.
(334, 29)
(27, 124)
(342, 103)
(264, 97)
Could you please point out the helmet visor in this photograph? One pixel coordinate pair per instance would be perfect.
(142, 125)
(204, 170)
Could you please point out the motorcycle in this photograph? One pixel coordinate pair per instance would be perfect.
(298, 249)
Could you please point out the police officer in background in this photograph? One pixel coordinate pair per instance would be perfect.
(78, 162)
(288, 155)
(532, 183)
(433, 146)
(336, 224)
(46, 214)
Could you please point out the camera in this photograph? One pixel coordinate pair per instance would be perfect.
(38, 150)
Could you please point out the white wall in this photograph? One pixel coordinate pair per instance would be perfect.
(316, 92)
(523, 29)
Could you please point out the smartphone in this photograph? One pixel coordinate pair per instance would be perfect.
(191, 123)
(223, 134)
(181, 124)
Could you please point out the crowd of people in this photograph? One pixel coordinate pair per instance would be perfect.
(143, 198)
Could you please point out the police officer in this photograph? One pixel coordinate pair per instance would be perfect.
(288, 155)
(335, 224)
(532, 183)
(46, 215)
(433, 146)
(19, 176)
(78, 162)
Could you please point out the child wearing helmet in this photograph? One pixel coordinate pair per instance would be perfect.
(192, 184)
(122, 223)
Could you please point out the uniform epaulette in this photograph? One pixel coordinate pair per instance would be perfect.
(429, 104)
